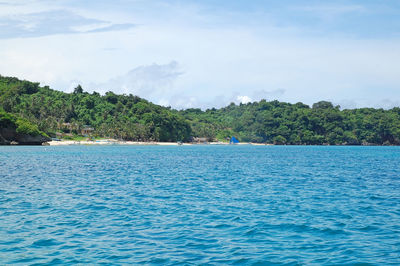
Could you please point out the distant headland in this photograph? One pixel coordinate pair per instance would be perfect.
(32, 114)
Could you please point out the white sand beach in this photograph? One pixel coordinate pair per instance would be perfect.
(110, 142)
(119, 142)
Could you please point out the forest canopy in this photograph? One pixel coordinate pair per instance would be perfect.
(130, 117)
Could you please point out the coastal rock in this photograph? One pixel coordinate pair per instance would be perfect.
(3, 141)
(9, 136)
(24, 139)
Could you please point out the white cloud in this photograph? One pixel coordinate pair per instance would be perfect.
(243, 99)
(151, 81)
(53, 22)
(217, 61)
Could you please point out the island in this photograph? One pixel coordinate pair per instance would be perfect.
(32, 113)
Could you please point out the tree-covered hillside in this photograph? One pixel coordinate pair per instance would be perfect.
(19, 131)
(285, 123)
(121, 116)
(132, 118)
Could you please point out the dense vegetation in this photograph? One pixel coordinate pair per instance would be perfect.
(285, 123)
(21, 125)
(121, 116)
(19, 130)
(132, 118)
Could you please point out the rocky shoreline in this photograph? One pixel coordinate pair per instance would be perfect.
(9, 136)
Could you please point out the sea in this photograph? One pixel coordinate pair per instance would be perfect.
(199, 205)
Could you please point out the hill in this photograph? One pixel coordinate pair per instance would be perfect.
(121, 116)
(284, 123)
(130, 117)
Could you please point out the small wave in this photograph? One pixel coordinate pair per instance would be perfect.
(26, 260)
(251, 209)
(45, 243)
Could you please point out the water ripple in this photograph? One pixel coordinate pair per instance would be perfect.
(194, 205)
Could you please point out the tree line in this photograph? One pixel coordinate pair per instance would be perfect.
(118, 116)
(130, 117)
(298, 124)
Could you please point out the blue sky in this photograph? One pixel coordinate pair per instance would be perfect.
(209, 53)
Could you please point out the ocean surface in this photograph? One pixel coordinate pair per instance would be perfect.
(190, 205)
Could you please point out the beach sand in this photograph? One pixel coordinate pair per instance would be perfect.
(119, 142)
(110, 142)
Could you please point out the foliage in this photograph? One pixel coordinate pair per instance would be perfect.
(6, 119)
(22, 126)
(284, 123)
(120, 116)
(132, 118)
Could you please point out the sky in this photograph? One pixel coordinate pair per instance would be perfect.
(203, 54)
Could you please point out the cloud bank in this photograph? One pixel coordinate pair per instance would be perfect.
(151, 81)
(53, 22)
(208, 54)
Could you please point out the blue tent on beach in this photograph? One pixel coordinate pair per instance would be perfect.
(233, 141)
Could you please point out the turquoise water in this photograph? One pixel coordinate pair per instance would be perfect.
(200, 205)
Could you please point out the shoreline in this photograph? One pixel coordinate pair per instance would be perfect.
(103, 142)
(137, 143)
